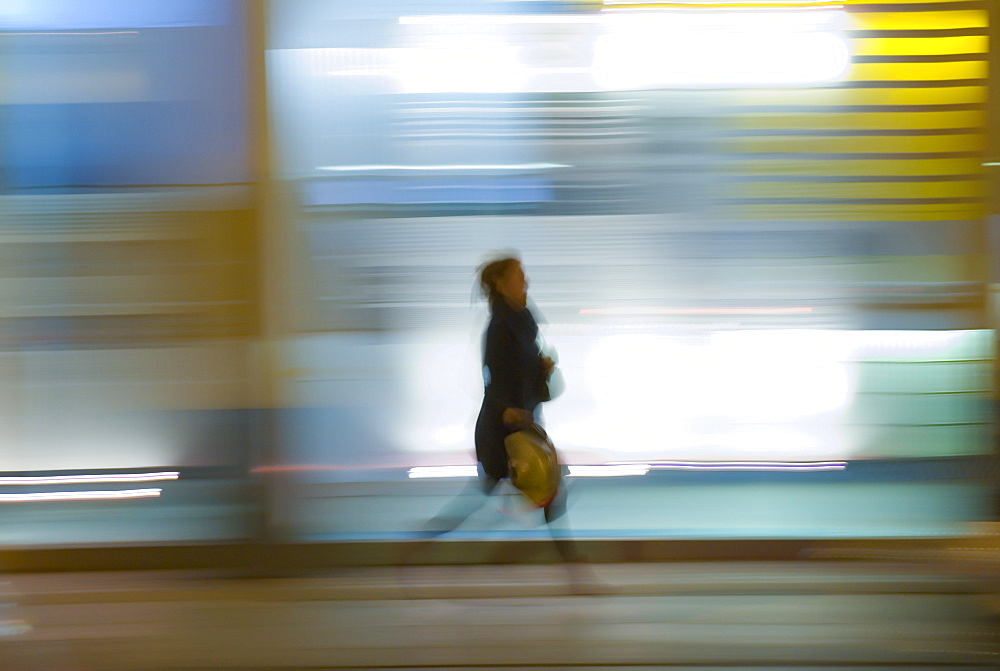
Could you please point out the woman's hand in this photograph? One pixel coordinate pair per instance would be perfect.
(517, 416)
(548, 365)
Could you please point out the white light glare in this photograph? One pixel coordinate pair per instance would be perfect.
(614, 50)
(472, 63)
(442, 472)
(109, 477)
(775, 375)
(75, 32)
(664, 50)
(748, 466)
(605, 471)
(80, 496)
(629, 312)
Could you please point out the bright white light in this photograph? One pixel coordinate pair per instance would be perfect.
(908, 345)
(361, 72)
(748, 466)
(443, 382)
(611, 470)
(636, 377)
(464, 168)
(676, 49)
(645, 390)
(766, 376)
(80, 496)
(77, 32)
(778, 440)
(695, 311)
(453, 434)
(498, 53)
(476, 63)
(107, 477)
(727, 395)
(442, 472)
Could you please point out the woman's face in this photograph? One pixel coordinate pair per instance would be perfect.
(513, 286)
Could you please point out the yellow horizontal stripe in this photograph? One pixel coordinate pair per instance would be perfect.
(902, 20)
(919, 46)
(722, 5)
(874, 144)
(812, 212)
(752, 4)
(931, 96)
(860, 121)
(843, 96)
(860, 190)
(862, 167)
(918, 71)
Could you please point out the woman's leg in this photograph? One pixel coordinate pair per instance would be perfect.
(581, 578)
(468, 501)
(555, 521)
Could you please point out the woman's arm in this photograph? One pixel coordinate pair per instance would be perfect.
(507, 375)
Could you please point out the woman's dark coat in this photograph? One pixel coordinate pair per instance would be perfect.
(514, 377)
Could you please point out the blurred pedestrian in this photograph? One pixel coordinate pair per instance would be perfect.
(516, 376)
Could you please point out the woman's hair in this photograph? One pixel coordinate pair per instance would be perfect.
(491, 271)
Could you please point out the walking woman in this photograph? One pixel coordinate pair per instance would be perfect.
(515, 378)
(515, 372)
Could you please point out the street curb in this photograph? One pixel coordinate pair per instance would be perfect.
(281, 558)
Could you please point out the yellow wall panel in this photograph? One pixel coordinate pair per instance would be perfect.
(862, 167)
(797, 122)
(871, 145)
(849, 212)
(881, 96)
(853, 190)
(958, 95)
(943, 20)
(861, 121)
(918, 71)
(919, 46)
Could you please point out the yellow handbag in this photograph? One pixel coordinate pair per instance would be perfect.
(534, 464)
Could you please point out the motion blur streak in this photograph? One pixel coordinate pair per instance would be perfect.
(442, 472)
(751, 466)
(110, 477)
(128, 294)
(695, 311)
(238, 252)
(238, 243)
(744, 255)
(80, 496)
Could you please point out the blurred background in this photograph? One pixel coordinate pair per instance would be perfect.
(239, 241)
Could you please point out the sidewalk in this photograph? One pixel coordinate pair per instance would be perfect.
(722, 615)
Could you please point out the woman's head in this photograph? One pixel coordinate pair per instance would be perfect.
(504, 278)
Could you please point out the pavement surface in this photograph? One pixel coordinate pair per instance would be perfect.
(931, 613)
